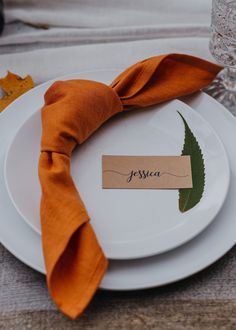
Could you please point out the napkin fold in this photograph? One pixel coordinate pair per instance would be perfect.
(73, 110)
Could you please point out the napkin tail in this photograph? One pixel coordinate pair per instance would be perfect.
(74, 260)
(74, 280)
(162, 78)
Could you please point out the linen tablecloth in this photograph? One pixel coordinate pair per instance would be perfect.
(72, 36)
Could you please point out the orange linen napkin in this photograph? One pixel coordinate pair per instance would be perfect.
(73, 110)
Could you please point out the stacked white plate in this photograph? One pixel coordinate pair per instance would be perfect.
(148, 240)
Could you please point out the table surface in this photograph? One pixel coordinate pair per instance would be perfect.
(206, 300)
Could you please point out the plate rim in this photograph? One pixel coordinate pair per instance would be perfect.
(133, 246)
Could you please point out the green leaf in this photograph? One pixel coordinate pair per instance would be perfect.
(189, 197)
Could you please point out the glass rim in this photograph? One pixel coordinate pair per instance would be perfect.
(226, 3)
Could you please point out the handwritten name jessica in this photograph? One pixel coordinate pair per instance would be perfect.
(142, 174)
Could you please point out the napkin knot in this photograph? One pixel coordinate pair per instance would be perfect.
(84, 106)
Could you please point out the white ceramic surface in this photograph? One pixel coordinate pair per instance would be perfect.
(159, 270)
(126, 227)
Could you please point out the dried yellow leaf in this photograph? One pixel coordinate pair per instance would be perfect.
(13, 86)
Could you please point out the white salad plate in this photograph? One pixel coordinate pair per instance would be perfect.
(129, 223)
(158, 270)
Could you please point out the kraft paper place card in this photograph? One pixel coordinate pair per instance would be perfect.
(146, 172)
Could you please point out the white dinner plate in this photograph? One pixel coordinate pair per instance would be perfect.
(158, 270)
(129, 223)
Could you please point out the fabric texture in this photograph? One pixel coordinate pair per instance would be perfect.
(73, 110)
(108, 13)
(34, 24)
